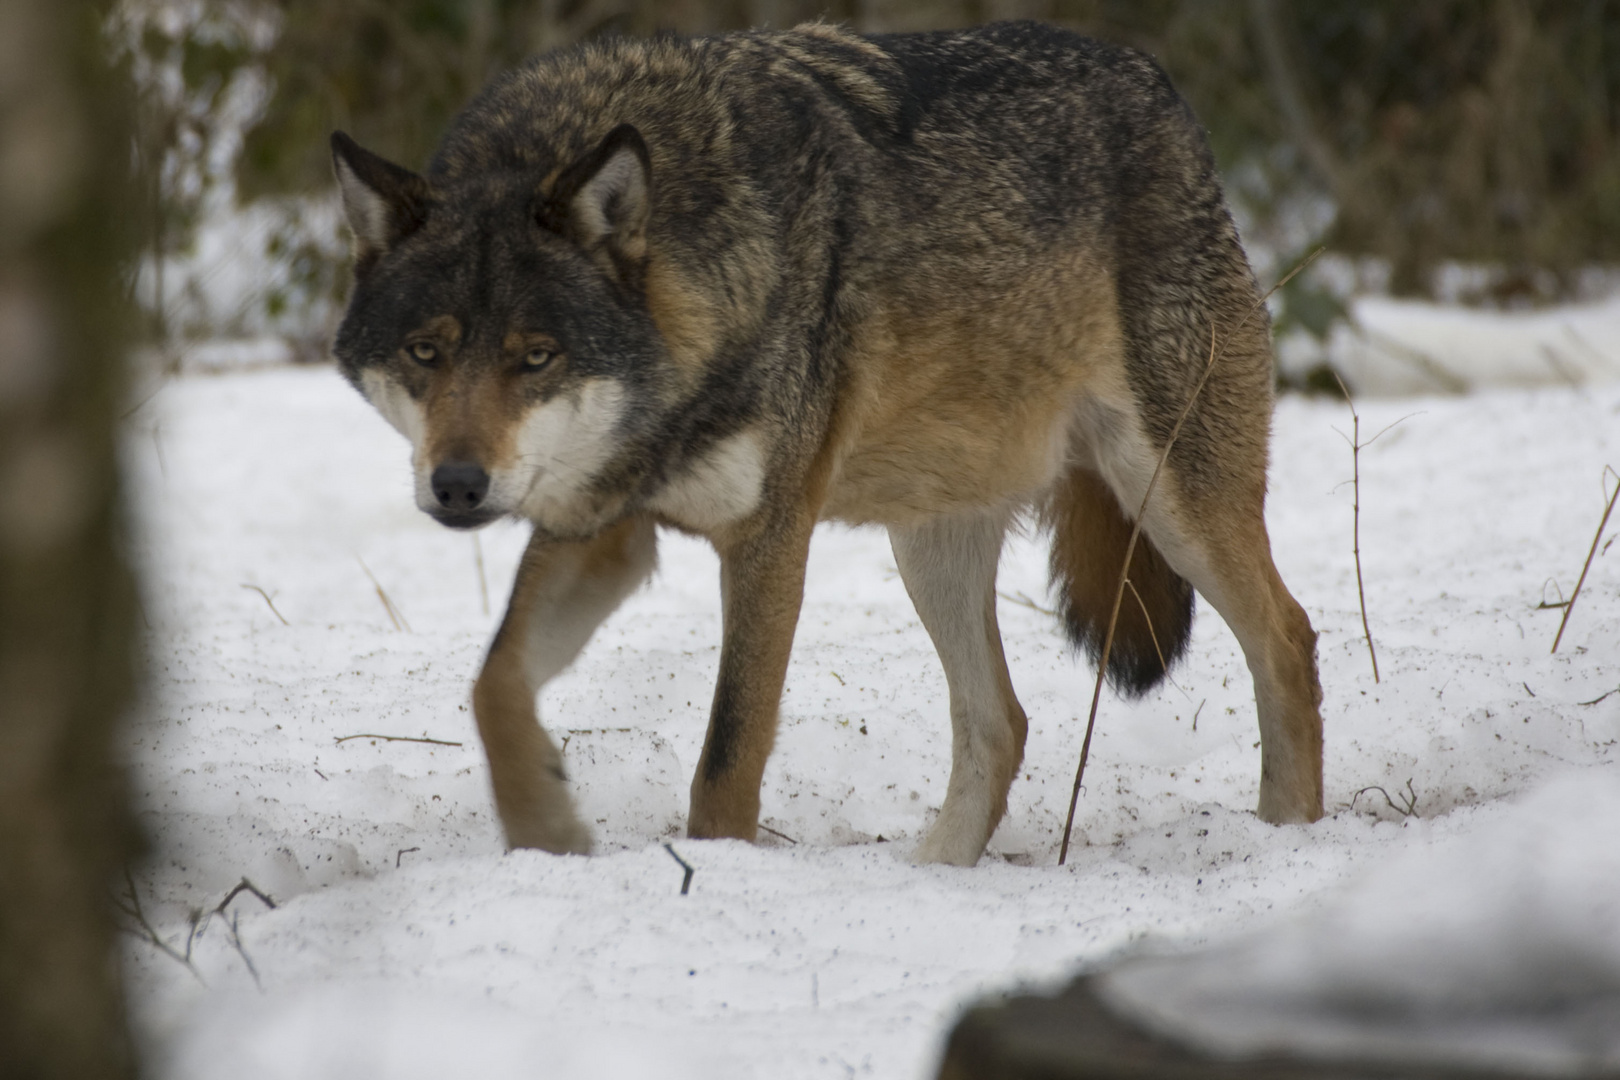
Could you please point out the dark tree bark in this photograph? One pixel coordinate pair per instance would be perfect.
(67, 605)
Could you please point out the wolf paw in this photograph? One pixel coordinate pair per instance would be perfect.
(941, 846)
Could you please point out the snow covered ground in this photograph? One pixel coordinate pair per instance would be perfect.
(405, 943)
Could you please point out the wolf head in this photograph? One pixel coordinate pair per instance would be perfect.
(500, 325)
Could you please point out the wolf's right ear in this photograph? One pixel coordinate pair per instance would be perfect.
(602, 203)
(383, 202)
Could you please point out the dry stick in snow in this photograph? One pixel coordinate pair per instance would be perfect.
(395, 616)
(1607, 510)
(269, 601)
(1136, 531)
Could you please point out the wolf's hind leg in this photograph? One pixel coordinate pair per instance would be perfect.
(562, 594)
(949, 567)
(1219, 543)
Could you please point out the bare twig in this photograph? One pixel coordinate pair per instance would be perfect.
(138, 406)
(241, 950)
(1607, 510)
(1600, 697)
(1136, 531)
(399, 738)
(1198, 710)
(269, 601)
(1355, 465)
(781, 835)
(130, 905)
(245, 886)
(395, 616)
(686, 882)
(1407, 807)
(401, 853)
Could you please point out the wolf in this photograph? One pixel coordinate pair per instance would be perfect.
(742, 284)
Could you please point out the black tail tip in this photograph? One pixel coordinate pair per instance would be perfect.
(1142, 653)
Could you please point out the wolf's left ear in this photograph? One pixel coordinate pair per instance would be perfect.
(602, 202)
(383, 202)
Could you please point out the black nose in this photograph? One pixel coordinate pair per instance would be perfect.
(460, 485)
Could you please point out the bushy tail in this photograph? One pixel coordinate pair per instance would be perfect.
(1089, 534)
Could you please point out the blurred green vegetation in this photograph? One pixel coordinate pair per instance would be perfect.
(1415, 133)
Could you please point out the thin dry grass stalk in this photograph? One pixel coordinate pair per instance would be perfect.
(483, 582)
(1215, 355)
(395, 616)
(269, 601)
(1607, 510)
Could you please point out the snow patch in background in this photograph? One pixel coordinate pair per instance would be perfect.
(1395, 348)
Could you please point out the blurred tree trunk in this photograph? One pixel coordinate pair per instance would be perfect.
(67, 641)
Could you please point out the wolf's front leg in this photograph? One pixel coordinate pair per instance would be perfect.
(562, 594)
(761, 587)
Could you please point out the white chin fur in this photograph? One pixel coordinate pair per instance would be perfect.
(561, 447)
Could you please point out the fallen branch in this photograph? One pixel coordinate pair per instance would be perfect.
(1607, 510)
(1136, 531)
(781, 835)
(398, 738)
(1599, 698)
(269, 601)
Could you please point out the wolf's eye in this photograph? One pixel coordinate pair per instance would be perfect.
(535, 359)
(424, 353)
